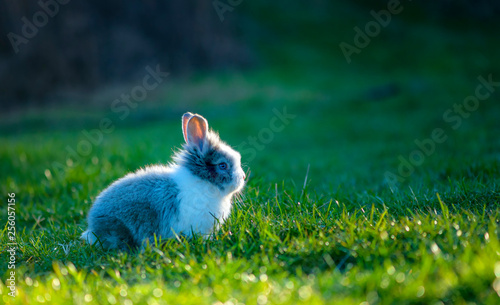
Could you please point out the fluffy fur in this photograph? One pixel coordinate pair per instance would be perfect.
(191, 195)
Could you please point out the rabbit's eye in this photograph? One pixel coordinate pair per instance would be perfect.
(223, 165)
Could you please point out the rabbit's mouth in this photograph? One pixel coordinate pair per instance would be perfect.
(238, 184)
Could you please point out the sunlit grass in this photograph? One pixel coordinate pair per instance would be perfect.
(317, 222)
(339, 234)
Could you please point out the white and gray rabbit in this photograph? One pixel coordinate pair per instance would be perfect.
(191, 195)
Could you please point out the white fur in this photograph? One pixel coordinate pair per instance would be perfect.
(201, 204)
(89, 237)
(192, 206)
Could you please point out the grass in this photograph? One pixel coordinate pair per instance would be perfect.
(317, 223)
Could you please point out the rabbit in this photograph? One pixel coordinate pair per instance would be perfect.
(190, 195)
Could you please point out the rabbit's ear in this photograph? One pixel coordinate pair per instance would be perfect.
(185, 120)
(196, 131)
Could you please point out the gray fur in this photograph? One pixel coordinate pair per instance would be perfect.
(149, 202)
(204, 164)
(134, 208)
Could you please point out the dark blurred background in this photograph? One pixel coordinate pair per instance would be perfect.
(89, 45)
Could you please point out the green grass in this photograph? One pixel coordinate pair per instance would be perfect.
(343, 236)
(317, 222)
